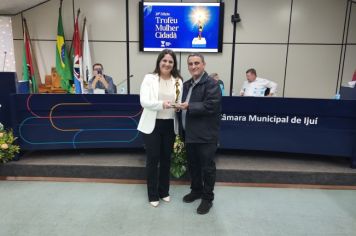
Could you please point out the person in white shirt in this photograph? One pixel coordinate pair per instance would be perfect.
(159, 124)
(256, 87)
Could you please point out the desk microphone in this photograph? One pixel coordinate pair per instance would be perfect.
(123, 81)
(3, 67)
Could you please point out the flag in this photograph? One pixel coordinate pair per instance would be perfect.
(87, 71)
(27, 65)
(62, 59)
(77, 59)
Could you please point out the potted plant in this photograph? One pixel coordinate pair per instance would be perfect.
(179, 158)
(8, 148)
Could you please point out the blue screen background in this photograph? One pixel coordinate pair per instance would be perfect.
(187, 30)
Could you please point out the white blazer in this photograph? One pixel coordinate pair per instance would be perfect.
(150, 103)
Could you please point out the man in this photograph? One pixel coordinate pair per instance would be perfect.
(257, 87)
(200, 123)
(101, 83)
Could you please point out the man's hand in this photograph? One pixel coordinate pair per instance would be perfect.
(102, 80)
(184, 106)
(95, 81)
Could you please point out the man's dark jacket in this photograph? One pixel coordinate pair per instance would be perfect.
(203, 115)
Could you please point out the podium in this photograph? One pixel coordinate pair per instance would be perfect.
(23, 87)
(8, 86)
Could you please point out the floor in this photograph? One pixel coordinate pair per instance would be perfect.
(74, 208)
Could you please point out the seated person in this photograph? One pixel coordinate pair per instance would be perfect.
(219, 82)
(100, 81)
(256, 87)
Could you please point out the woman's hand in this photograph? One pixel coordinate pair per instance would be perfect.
(167, 105)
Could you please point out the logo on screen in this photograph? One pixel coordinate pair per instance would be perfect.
(165, 44)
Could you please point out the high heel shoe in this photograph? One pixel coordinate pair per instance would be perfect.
(166, 199)
(155, 203)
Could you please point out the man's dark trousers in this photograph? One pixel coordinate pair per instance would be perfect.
(202, 168)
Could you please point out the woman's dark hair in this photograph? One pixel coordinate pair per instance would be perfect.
(175, 73)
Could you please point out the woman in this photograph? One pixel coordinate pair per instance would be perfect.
(159, 124)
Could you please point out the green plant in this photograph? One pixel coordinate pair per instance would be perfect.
(179, 158)
(8, 149)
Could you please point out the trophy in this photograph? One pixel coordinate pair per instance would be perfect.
(199, 17)
(200, 29)
(176, 102)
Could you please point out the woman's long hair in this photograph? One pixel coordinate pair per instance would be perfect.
(175, 73)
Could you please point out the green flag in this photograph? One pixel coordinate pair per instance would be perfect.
(62, 60)
(24, 65)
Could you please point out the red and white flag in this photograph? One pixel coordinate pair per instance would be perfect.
(77, 59)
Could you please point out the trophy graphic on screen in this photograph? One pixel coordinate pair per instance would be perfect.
(199, 17)
(200, 29)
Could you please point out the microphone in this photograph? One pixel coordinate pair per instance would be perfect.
(3, 67)
(123, 81)
(122, 90)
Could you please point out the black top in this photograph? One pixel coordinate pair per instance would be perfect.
(203, 115)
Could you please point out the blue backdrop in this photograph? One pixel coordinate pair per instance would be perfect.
(313, 126)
